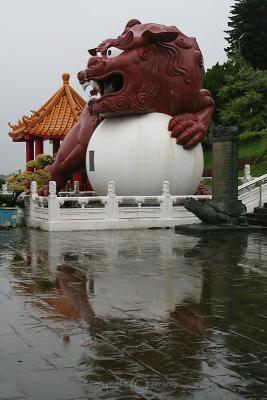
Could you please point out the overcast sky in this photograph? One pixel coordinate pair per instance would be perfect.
(40, 39)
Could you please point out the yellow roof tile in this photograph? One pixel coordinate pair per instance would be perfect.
(55, 118)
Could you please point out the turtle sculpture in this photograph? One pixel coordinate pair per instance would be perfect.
(148, 68)
(216, 212)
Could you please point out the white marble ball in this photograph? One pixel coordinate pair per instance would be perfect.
(138, 154)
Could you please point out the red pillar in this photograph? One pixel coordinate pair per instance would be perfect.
(56, 145)
(39, 147)
(29, 153)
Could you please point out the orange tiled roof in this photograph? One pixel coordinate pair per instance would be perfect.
(55, 118)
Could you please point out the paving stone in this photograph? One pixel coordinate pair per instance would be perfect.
(11, 391)
(132, 315)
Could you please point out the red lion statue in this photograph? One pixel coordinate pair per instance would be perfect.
(148, 68)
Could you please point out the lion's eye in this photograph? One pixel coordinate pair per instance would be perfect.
(113, 52)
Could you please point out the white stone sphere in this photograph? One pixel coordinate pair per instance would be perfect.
(138, 154)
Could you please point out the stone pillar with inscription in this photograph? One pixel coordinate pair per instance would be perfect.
(225, 170)
(224, 208)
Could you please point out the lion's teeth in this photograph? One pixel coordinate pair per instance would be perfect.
(93, 84)
(95, 97)
(85, 85)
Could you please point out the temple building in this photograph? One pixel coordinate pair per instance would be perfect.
(50, 122)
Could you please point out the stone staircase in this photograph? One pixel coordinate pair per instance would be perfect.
(259, 216)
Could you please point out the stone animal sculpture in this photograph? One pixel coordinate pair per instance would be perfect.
(148, 68)
(215, 212)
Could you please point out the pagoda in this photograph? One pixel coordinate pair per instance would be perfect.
(51, 122)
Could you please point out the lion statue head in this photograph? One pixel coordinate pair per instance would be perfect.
(148, 68)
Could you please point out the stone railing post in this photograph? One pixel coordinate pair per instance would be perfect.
(166, 203)
(32, 198)
(76, 186)
(34, 193)
(247, 177)
(112, 203)
(4, 189)
(53, 203)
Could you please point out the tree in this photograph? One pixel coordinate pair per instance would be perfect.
(244, 101)
(20, 182)
(2, 182)
(215, 79)
(41, 161)
(248, 33)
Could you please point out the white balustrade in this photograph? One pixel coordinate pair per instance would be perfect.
(106, 212)
(254, 192)
(84, 210)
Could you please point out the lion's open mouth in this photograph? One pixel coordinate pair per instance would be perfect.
(101, 87)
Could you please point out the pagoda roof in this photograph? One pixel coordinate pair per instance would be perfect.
(54, 119)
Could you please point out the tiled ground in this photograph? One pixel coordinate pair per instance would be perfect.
(132, 315)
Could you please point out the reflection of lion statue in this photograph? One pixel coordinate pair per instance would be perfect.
(149, 68)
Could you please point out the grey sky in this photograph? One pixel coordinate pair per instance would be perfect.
(41, 39)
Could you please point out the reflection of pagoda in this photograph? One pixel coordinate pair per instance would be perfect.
(51, 122)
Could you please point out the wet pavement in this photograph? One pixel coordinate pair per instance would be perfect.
(132, 315)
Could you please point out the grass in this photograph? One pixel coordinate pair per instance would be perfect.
(252, 148)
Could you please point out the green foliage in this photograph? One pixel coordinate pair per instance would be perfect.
(6, 200)
(239, 86)
(215, 79)
(20, 182)
(253, 134)
(244, 101)
(260, 168)
(252, 148)
(41, 161)
(240, 94)
(248, 31)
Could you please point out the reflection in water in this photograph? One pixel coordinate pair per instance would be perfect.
(71, 298)
(234, 295)
(189, 316)
(186, 311)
